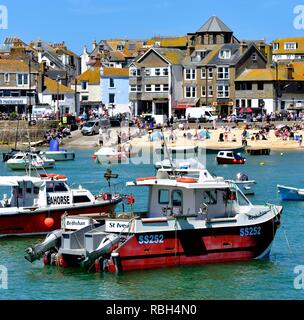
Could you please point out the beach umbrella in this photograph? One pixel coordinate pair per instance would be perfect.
(202, 134)
(156, 136)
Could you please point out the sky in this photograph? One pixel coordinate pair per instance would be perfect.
(79, 22)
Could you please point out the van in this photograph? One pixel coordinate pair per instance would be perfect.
(202, 114)
(91, 127)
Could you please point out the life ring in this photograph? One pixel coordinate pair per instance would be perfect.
(130, 200)
(145, 178)
(186, 180)
(32, 122)
(53, 176)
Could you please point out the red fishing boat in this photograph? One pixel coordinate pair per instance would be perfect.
(35, 204)
(229, 157)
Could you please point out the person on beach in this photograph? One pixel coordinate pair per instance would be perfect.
(300, 140)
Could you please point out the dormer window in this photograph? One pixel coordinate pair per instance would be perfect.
(290, 45)
(275, 46)
(120, 47)
(225, 54)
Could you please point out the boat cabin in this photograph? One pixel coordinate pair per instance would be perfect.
(193, 193)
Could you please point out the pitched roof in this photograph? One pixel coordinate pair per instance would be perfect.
(168, 41)
(12, 66)
(214, 24)
(92, 75)
(269, 74)
(174, 56)
(52, 87)
(116, 72)
(282, 50)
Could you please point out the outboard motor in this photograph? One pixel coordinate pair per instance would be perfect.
(35, 252)
(241, 177)
(104, 247)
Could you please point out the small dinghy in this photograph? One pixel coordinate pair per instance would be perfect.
(290, 193)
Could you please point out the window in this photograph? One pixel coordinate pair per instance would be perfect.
(157, 72)
(112, 83)
(243, 103)
(6, 77)
(210, 91)
(60, 97)
(225, 54)
(210, 73)
(223, 72)
(15, 93)
(157, 88)
(85, 98)
(148, 88)
(120, 47)
(290, 45)
(163, 196)
(254, 57)
(60, 187)
(133, 88)
(222, 91)
(190, 92)
(165, 87)
(203, 91)
(22, 79)
(275, 46)
(84, 85)
(249, 103)
(138, 88)
(177, 198)
(237, 103)
(147, 72)
(203, 73)
(132, 46)
(165, 71)
(190, 74)
(242, 201)
(210, 197)
(79, 199)
(111, 98)
(135, 72)
(260, 86)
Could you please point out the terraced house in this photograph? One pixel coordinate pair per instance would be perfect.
(18, 86)
(156, 82)
(288, 49)
(213, 61)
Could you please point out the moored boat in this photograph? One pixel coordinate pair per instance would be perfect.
(35, 204)
(192, 218)
(229, 157)
(58, 154)
(290, 193)
(246, 186)
(24, 160)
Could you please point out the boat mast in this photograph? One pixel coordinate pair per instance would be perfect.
(16, 137)
(167, 151)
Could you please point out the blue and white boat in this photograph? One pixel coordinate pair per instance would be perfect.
(290, 193)
(58, 154)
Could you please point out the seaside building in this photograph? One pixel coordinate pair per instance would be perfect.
(288, 49)
(156, 82)
(18, 86)
(114, 87)
(278, 88)
(60, 97)
(89, 90)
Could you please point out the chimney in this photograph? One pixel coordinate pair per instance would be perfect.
(85, 50)
(290, 71)
(97, 62)
(243, 46)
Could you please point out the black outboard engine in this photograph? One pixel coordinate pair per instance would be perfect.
(35, 252)
(241, 177)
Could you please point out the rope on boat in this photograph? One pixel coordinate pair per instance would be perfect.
(288, 245)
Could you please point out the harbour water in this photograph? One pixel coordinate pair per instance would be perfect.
(268, 279)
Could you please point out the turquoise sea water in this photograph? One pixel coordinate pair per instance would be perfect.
(270, 279)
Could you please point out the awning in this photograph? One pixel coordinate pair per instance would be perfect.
(183, 106)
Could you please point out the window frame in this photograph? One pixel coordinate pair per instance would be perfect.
(159, 196)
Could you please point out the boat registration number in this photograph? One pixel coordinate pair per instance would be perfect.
(252, 231)
(151, 239)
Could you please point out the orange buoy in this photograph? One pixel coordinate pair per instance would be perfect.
(146, 178)
(186, 180)
(49, 222)
(52, 175)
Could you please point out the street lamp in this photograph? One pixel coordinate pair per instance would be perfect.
(58, 110)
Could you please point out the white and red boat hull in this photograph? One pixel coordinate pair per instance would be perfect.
(32, 222)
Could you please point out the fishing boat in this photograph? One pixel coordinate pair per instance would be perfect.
(192, 218)
(290, 193)
(35, 204)
(57, 154)
(229, 157)
(22, 161)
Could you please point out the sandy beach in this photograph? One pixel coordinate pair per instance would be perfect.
(77, 140)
